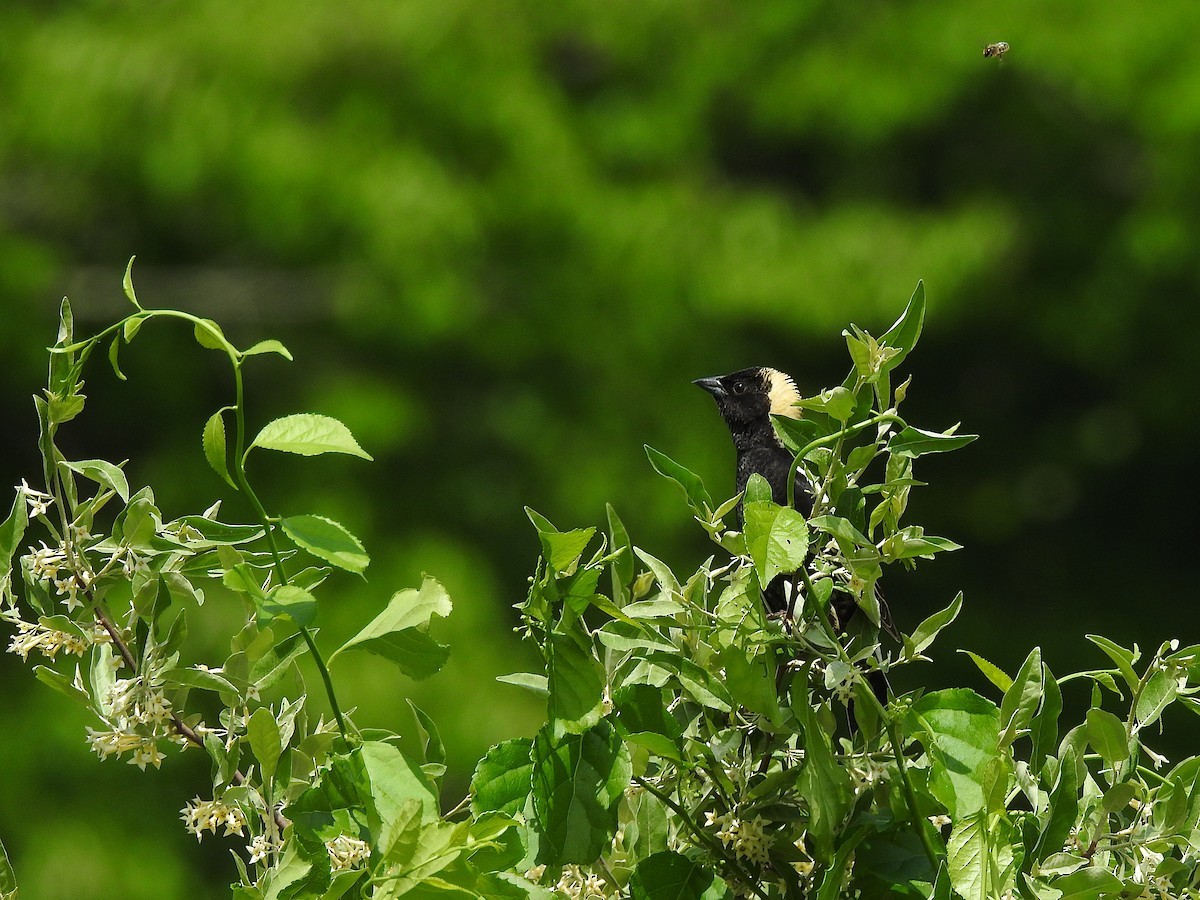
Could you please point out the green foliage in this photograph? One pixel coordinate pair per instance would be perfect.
(693, 747)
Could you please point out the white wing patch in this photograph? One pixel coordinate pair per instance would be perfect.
(782, 393)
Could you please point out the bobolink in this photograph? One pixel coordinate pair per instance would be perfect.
(746, 401)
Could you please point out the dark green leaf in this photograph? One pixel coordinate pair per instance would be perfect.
(621, 568)
(578, 781)
(327, 540)
(1123, 658)
(561, 549)
(1087, 884)
(672, 876)
(308, 434)
(1022, 699)
(1063, 807)
(12, 531)
(824, 785)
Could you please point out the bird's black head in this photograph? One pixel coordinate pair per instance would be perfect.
(748, 398)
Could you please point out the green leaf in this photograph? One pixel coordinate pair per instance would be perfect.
(1123, 658)
(1022, 699)
(578, 782)
(561, 549)
(689, 482)
(127, 283)
(8, 878)
(399, 633)
(672, 876)
(327, 540)
(928, 630)
(576, 681)
(12, 531)
(62, 684)
(991, 671)
(263, 732)
(269, 346)
(503, 778)
(215, 446)
(203, 679)
(776, 538)
(308, 434)
(1063, 807)
(621, 568)
(208, 334)
(906, 330)
(1106, 734)
(823, 784)
(1160, 691)
(1088, 884)
(288, 600)
(114, 352)
(396, 780)
(960, 730)
(980, 856)
(103, 473)
(538, 684)
(913, 442)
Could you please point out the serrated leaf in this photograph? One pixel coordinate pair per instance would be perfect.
(208, 334)
(576, 680)
(308, 434)
(214, 443)
(102, 472)
(269, 346)
(960, 730)
(991, 671)
(327, 540)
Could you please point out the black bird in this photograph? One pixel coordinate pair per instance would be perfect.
(746, 401)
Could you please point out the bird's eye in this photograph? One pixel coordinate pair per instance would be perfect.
(739, 387)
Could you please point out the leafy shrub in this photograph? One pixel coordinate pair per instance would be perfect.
(694, 747)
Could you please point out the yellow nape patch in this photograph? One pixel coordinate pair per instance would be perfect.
(782, 392)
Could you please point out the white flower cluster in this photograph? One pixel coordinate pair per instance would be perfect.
(38, 501)
(747, 837)
(346, 852)
(260, 847)
(579, 884)
(46, 641)
(209, 815)
(139, 716)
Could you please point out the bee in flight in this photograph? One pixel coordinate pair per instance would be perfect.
(997, 50)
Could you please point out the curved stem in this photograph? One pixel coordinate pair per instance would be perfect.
(848, 431)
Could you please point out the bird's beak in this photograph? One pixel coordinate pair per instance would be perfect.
(712, 385)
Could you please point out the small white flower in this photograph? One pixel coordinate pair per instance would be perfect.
(259, 848)
(38, 501)
(346, 852)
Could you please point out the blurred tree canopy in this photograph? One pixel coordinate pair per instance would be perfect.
(501, 239)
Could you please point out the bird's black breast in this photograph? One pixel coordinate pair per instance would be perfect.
(773, 464)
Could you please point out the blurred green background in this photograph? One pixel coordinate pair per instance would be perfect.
(501, 239)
